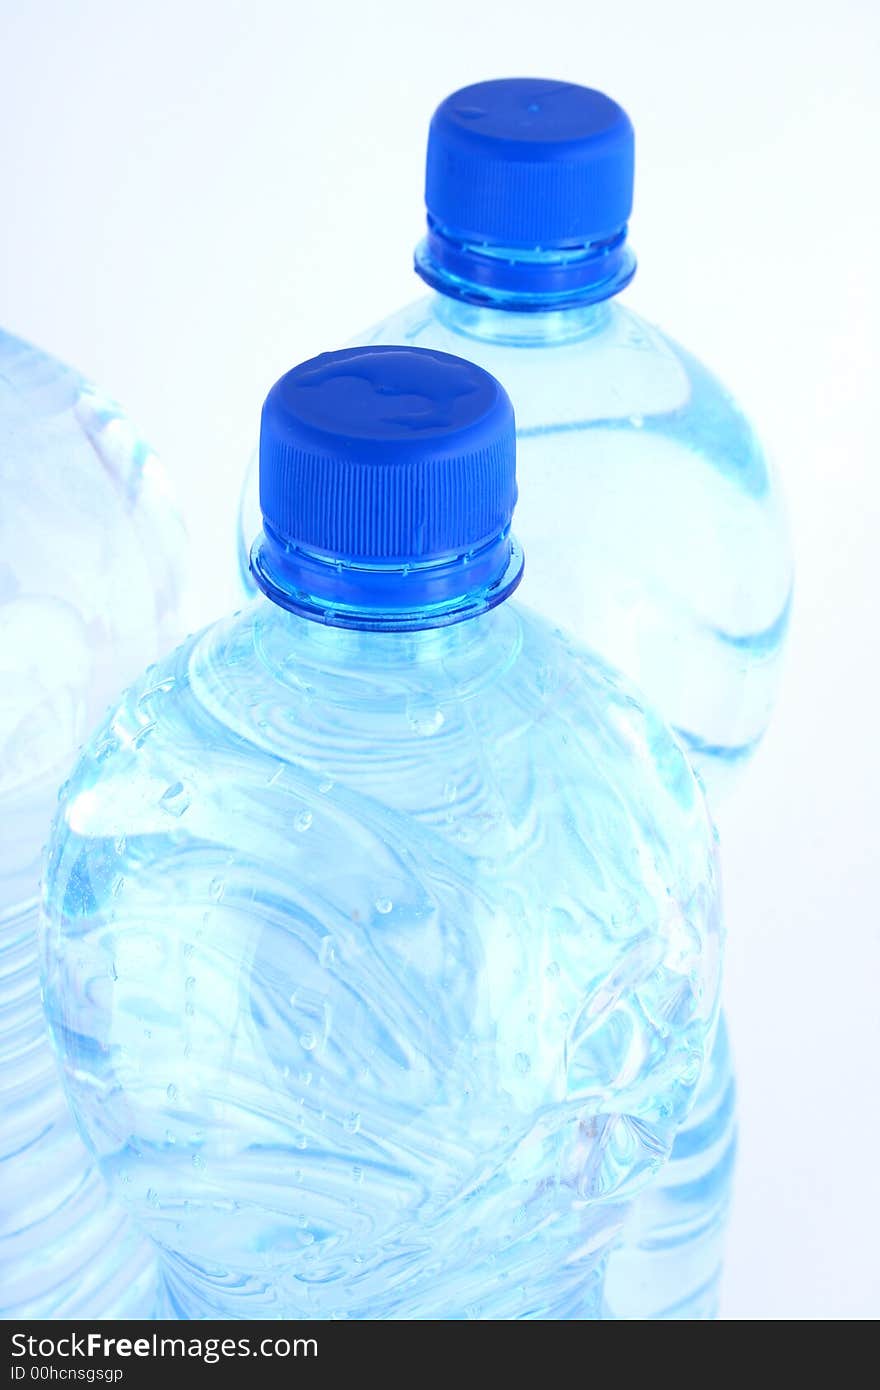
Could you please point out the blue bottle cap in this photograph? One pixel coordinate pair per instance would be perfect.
(528, 189)
(387, 487)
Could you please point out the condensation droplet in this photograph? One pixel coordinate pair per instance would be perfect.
(190, 984)
(552, 971)
(384, 905)
(326, 784)
(175, 799)
(424, 717)
(637, 421)
(143, 734)
(303, 821)
(171, 1091)
(198, 1161)
(523, 1063)
(353, 1122)
(308, 1041)
(326, 952)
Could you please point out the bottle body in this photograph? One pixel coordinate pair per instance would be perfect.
(668, 1262)
(652, 524)
(433, 1000)
(677, 567)
(88, 592)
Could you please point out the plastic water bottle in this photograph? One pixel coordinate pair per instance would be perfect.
(380, 920)
(654, 529)
(89, 553)
(673, 560)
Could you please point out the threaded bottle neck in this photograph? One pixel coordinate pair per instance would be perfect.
(396, 598)
(524, 281)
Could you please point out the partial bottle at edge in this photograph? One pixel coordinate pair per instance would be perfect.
(89, 554)
(442, 964)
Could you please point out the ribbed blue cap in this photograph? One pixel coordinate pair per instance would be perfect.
(531, 165)
(527, 162)
(380, 467)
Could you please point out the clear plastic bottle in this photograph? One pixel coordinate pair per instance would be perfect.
(672, 558)
(443, 958)
(89, 555)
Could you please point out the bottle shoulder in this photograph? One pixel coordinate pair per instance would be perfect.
(516, 718)
(608, 370)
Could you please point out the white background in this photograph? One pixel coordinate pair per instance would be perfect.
(197, 195)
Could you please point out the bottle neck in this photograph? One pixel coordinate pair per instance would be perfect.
(512, 279)
(406, 597)
(356, 665)
(487, 324)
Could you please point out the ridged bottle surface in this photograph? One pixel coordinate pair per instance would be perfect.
(438, 980)
(88, 594)
(668, 1262)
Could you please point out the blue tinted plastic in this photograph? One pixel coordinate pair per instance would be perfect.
(437, 983)
(675, 563)
(89, 547)
(653, 524)
(439, 978)
(668, 1264)
(676, 566)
